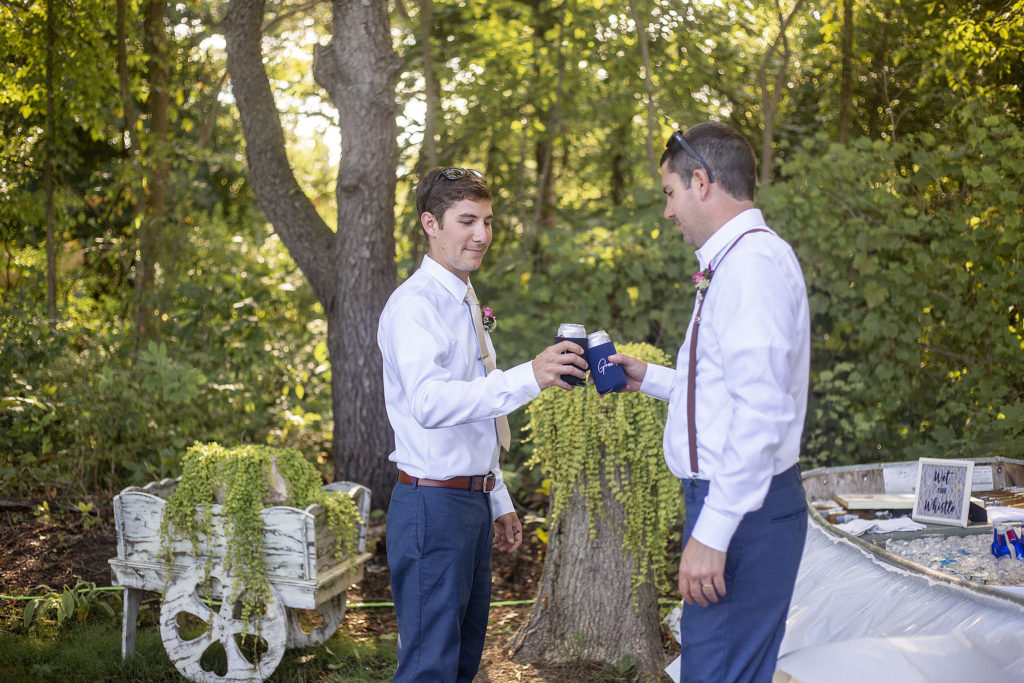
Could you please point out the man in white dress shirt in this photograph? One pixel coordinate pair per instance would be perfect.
(446, 403)
(737, 400)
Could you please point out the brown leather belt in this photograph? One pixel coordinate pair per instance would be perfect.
(484, 482)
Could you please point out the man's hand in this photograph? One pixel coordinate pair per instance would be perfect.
(701, 573)
(508, 532)
(634, 368)
(554, 362)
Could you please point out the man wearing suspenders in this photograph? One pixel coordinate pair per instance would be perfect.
(737, 400)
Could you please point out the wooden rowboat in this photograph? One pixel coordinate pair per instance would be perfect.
(861, 612)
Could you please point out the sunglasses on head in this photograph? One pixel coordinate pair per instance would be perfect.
(679, 141)
(452, 173)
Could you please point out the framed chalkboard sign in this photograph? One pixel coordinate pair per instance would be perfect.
(943, 494)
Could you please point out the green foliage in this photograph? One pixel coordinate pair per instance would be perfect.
(242, 359)
(585, 442)
(912, 253)
(243, 476)
(529, 92)
(78, 602)
(622, 670)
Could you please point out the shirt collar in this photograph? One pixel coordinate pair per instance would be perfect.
(725, 235)
(447, 279)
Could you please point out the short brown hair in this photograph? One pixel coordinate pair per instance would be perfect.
(727, 153)
(435, 194)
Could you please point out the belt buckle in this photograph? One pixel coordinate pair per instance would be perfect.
(483, 481)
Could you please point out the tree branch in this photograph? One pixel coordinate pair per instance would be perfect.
(303, 231)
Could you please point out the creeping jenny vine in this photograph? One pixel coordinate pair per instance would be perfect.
(581, 439)
(242, 474)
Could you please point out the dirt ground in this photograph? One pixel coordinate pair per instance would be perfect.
(58, 547)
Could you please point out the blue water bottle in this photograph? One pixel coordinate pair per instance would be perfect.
(999, 545)
(608, 377)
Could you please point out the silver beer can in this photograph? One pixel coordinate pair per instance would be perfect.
(598, 338)
(572, 331)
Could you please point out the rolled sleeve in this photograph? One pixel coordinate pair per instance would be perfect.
(658, 381)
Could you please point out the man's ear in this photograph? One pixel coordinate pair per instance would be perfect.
(429, 223)
(700, 177)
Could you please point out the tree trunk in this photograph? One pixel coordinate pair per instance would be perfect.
(645, 54)
(846, 77)
(128, 119)
(879, 64)
(619, 165)
(51, 128)
(352, 271)
(433, 98)
(544, 209)
(585, 610)
(770, 97)
(152, 225)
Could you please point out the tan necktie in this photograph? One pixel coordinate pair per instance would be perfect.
(500, 422)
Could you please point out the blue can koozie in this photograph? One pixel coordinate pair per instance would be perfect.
(608, 377)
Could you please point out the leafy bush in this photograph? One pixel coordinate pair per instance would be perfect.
(239, 360)
(912, 253)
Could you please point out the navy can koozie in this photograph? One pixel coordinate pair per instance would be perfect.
(608, 377)
(575, 333)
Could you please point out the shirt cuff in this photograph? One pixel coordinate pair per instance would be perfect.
(715, 529)
(523, 380)
(658, 381)
(501, 501)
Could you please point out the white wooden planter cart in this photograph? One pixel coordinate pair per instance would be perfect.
(303, 573)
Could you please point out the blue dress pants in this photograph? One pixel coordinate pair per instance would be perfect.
(737, 639)
(439, 553)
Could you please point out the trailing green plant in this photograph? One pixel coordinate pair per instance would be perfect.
(242, 475)
(584, 441)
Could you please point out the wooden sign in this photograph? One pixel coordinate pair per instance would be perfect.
(943, 491)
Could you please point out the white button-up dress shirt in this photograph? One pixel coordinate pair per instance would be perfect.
(439, 399)
(753, 364)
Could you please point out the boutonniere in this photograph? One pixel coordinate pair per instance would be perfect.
(702, 280)
(487, 318)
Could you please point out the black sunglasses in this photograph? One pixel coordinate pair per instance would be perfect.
(452, 173)
(680, 141)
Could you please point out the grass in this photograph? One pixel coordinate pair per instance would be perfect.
(91, 651)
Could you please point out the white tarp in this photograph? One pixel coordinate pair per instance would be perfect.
(855, 618)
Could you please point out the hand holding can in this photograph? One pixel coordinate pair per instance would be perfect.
(577, 334)
(608, 377)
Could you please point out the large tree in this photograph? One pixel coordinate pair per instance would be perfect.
(352, 271)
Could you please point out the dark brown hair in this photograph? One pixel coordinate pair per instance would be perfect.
(728, 153)
(435, 194)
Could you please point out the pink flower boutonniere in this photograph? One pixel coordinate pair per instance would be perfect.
(701, 281)
(488, 319)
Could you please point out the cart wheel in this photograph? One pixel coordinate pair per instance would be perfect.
(329, 616)
(211, 644)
